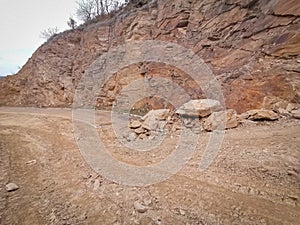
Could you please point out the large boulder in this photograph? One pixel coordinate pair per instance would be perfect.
(216, 120)
(155, 119)
(274, 103)
(159, 114)
(296, 113)
(260, 114)
(199, 108)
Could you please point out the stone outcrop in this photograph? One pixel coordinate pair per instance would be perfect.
(251, 46)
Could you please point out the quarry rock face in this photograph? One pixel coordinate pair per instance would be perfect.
(252, 48)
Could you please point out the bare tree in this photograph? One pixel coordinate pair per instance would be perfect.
(85, 10)
(72, 23)
(48, 33)
(89, 9)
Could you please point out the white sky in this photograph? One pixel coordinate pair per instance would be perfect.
(21, 22)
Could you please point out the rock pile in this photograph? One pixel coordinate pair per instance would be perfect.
(199, 115)
(154, 121)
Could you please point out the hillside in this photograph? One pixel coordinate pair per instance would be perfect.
(251, 46)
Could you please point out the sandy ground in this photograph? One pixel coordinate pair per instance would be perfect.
(254, 179)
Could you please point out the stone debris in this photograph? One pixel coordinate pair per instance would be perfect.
(154, 121)
(203, 115)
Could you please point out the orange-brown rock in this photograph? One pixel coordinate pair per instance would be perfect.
(251, 46)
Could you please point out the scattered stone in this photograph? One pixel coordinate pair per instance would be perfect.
(147, 201)
(135, 124)
(139, 207)
(294, 197)
(296, 113)
(11, 187)
(159, 114)
(154, 118)
(260, 114)
(216, 120)
(292, 173)
(131, 137)
(31, 162)
(199, 108)
(182, 212)
(143, 136)
(290, 107)
(139, 130)
(283, 112)
(274, 103)
(146, 127)
(146, 221)
(96, 185)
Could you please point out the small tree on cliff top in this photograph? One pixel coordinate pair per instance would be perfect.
(48, 33)
(90, 9)
(72, 23)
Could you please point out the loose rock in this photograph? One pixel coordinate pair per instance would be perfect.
(11, 187)
(135, 124)
(131, 137)
(296, 113)
(260, 114)
(96, 185)
(139, 130)
(227, 118)
(199, 108)
(139, 207)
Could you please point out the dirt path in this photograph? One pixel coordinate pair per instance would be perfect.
(254, 180)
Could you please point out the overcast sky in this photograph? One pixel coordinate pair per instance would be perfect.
(21, 22)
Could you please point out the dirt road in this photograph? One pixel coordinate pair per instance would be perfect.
(254, 179)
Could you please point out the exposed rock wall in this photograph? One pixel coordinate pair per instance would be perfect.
(251, 46)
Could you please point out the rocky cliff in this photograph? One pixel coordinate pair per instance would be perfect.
(252, 47)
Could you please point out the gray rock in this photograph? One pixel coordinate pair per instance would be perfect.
(11, 187)
(296, 113)
(199, 108)
(290, 107)
(131, 137)
(96, 185)
(135, 124)
(155, 119)
(159, 114)
(182, 212)
(139, 207)
(222, 120)
(283, 112)
(260, 114)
